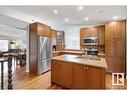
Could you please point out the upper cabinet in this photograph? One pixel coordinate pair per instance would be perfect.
(58, 39)
(94, 32)
(89, 32)
(60, 44)
(110, 31)
(43, 30)
(54, 36)
(97, 31)
(101, 35)
(120, 30)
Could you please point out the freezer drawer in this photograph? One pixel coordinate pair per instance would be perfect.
(45, 65)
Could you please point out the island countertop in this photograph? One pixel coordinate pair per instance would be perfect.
(85, 61)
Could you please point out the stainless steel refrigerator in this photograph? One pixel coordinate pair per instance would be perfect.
(45, 46)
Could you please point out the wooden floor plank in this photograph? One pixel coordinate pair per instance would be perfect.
(24, 80)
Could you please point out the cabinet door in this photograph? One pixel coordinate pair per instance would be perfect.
(109, 48)
(110, 63)
(81, 36)
(55, 71)
(120, 48)
(120, 62)
(95, 78)
(54, 36)
(87, 32)
(44, 30)
(120, 30)
(78, 76)
(63, 41)
(110, 31)
(94, 32)
(60, 40)
(101, 35)
(66, 74)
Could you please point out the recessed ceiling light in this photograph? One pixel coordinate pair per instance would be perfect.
(86, 18)
(55, 12)
(66, 19)
(33, 20)
(80, 8)
(100, 11)
(115, 17)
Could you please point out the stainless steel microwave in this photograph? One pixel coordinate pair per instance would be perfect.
(90, 41)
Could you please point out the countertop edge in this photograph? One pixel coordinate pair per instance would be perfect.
(80, 63)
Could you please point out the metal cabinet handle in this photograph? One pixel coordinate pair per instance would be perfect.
(87, 68)
(84, 67)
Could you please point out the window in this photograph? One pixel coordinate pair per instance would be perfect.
(72, 38)
(4, 45)
(72, 42)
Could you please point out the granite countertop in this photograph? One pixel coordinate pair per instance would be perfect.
(87, 60)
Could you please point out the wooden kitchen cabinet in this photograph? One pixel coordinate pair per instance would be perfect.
(115, 46)
(43, 30)
(58, 39)
(87, 77)
(66, 74)
(109, 48)
(94, 32)
(120, 30)
(95, 77)
(61, 73)
(110, 31)
(101, 35)
(56, 71)
(60, 43)
(77, 76)
(86, 32)
(54, 36)
(89, 32)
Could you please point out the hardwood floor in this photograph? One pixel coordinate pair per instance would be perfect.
(23, 80)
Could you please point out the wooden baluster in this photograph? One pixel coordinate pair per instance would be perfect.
(2, 75)
(10, 72)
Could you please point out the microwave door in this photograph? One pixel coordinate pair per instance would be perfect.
(90, 41)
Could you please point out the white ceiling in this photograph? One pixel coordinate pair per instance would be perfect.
(75, 16)
(20, 16)
(11, 27)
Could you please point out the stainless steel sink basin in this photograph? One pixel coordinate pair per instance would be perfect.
(93, 58)
(89, 57)
(83, 57)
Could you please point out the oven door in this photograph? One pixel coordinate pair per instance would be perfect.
(92, 52)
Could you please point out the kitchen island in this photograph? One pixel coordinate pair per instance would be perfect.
(78, 72)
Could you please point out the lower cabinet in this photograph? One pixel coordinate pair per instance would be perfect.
(66, 74)
(55, 71)
(77, 76)
(95, 77)
(61, 73)
(87, 77)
